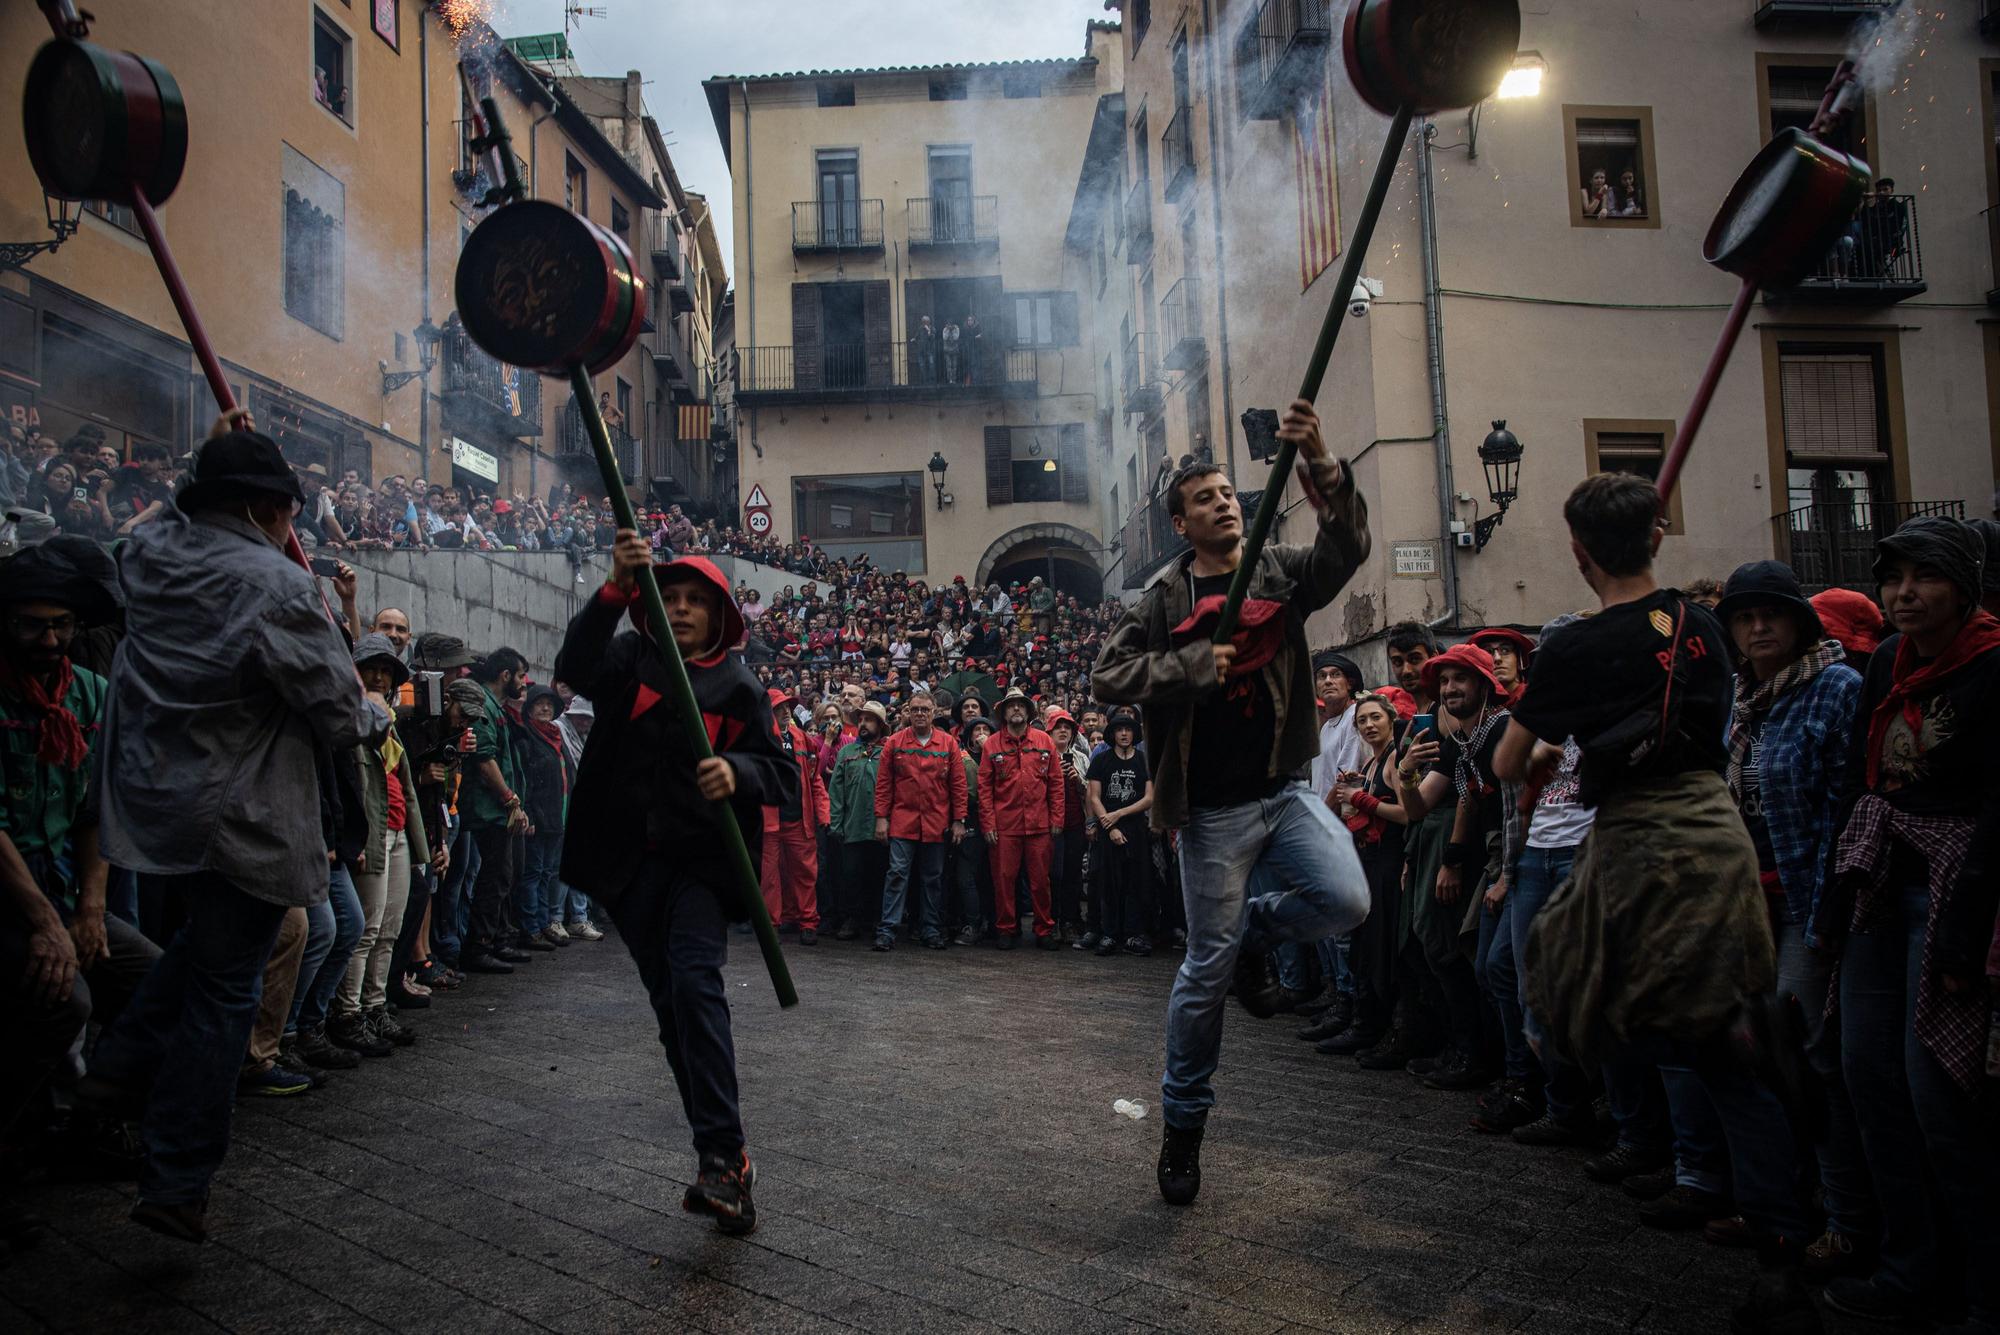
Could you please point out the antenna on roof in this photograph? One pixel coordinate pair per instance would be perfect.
(574, 14)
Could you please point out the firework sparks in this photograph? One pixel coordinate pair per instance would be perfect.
(459, 16)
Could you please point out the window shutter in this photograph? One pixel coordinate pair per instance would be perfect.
(1070, 464)
(875, 330)
(805, 336)
(1000, 465)
(1067, 335)
(1830, 404)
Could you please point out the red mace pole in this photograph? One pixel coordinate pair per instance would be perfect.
(1711, 376)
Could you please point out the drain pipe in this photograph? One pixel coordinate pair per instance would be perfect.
(424, 194)
(1434, 346)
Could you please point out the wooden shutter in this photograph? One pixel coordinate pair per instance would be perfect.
(1830, 404)
(805, 336)
(875, 330)
(1000, 465)
(1065, 321)
(1071, 466)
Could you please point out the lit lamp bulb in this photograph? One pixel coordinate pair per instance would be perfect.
(1524, 80)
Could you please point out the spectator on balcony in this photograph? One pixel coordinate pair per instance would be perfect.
(923, 353)
(1628, 201)
(1885, 229)
(975, 351)
(1597, 196)
(613, 418)
(948, 348)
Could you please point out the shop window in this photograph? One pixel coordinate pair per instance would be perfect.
(1612, 177)
(1636, 446)
(315, 259)
(333, 64)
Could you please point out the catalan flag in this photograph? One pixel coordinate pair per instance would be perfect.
(1319, 190)
(694, 419)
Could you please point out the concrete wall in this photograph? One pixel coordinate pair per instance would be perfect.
(488, 599)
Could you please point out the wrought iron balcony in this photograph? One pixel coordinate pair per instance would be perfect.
(824, 226)
(666, 252)
(1877, 262)
(1142, 391)
(1832, 543)
(955, 221)
(1148, 541)
(669, 360)
(573, 440)
(1280, 54)
(1139, 222)
(852, 372)
(1770, 13)
(1180, 328)
(1177, 152)
(485, 394)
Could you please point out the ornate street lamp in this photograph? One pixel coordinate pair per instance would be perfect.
(64, 216)
(1500, 455)
(428, 337)
(938, 467)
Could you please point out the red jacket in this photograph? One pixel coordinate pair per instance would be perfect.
(1021, 780)
(920, 786)
(814, 810)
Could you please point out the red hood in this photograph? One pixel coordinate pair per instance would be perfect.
(1259, 630)
(1465, 656)
(1852, 618)
(1400, 700)
(701, 568)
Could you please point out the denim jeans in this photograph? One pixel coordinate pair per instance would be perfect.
(1293, 838)
(1701, 1142)
(341, 920)
(929, 859)
(1500, 977)
(1933, 1159)
(1843, 1163)
(537, 898)
(448, 904)
(576, 904)
(1537, 876)
(182, 1038)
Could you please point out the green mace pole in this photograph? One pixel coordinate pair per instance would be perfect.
(683, 692)
(1329, 334)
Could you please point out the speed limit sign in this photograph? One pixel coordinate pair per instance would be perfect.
(760, 522)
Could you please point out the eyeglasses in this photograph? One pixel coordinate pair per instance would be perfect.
(30, 628)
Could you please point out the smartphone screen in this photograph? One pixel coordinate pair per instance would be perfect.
(1424, 723)
(325, 565)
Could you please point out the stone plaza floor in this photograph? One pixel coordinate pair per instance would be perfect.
(937, 1152)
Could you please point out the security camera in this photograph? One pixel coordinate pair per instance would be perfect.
(1363, 296)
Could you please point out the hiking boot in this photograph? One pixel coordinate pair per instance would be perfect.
(319, 1051)
(1319, 1002)
(1355, 1038)
(1459, 1069)
(933, 941)
(808, 936)
(582, 929)
(1834, 1253)
(1650, 1186)
(884, 941)
(1621, 1162)
(1549, 1130)
(1180, 1165)
(1325, 1027)
(721, 1190)
(183, 1223)
(1088, 941)
(967, 936)
(1257, 986)
(387, 1029)
(534, 941)
(1684, 1208)
(293, 1059)
(353, 1032)
(1106, 947)
(845, 932)
(1139, 945)
(1390, 1054)
(1508, 1106)
(403, 999)
(271, 1082)
(554, 935)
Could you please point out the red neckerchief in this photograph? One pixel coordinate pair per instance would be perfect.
(61, 742)
(1907, 681)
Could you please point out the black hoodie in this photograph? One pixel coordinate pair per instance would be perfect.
(635, 787)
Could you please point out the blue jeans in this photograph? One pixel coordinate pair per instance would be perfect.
(1540, 872)
(1933, 1161)
(538, 890)
(181, 1040)
(1292, 839)
(576, 904)
(121, 895)
(1843, 1163)
(1701, 1142)
(333, 930)
(929, 859)
(1500, 977)
(449, 905)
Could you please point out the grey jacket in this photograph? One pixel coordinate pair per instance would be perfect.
(1139, 664)
(228, 674)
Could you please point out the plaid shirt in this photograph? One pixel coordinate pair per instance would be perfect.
(1806, 740)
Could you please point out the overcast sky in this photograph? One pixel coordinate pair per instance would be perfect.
(676, 44)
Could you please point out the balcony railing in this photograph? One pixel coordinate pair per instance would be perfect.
(873, 370)
(1831, 544)
(1139, 222)
(668, 358)
(1765, 13)
(1876, 262)
(573, 440)
(1148, 541)
(955, 220)
(1180, 328)
(1177, 152)
(1141, 375)
(505, 399)
(1280, 53)
(665, 249)
(836, 224)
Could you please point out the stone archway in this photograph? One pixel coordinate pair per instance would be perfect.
(1062, 554)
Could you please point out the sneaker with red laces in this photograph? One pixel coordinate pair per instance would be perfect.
(722, 1189)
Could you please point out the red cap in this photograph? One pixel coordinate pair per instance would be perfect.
(1469, 656)
(1523, 645)
(1852, 618)
(1399, 700)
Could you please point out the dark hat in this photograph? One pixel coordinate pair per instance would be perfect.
(1015, 695)
(1768, 584)
(469, 695)
(1948, 545)
(1123, 718)
(435, 651)
(375, 647)
(237, 459)
(1341, 663)
(539, 693)
(69, 571)
(1989, 533)
(965, 728)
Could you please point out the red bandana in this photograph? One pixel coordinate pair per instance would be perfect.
(1978, 635)
(61, 743)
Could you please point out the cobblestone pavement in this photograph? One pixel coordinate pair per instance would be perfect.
(937, 1153)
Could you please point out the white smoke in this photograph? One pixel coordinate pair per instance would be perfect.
(1880, 47)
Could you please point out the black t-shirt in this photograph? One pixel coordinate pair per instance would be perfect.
(1598, 674)
(1229, 754)
(1124, 782)
(1751, 801)
(1483, 787)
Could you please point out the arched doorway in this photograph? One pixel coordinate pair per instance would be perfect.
(1065, 558)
